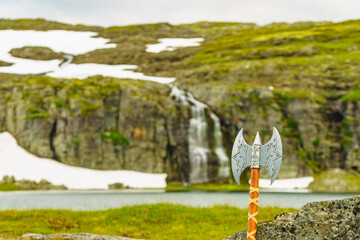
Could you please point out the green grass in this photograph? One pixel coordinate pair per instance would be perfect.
(158, 221)
(115, 137)
(9, 187)
(352, 96)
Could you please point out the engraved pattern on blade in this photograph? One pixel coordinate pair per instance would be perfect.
(241, 156)
(255, 156)
(271, 155)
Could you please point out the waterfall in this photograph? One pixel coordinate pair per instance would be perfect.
(224, 169)
(198, 141)
(67, 61)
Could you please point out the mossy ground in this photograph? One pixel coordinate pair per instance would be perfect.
(9, 187)
(335, 180)
(159, 221)
(4, 64)
(9, 183)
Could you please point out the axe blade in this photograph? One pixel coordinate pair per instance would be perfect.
(271, 155)
(240, 156)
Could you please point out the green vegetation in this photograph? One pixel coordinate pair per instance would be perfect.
(287, 95)
(9, 183)
(307, 55)
(81, 97)
(42, 25)
(287, 72)
(316, 142)
(9, 187)
(58, 103)
(177, 187)
(36, 113)
(336, 180)
(158, 221)
(115, 137)
(352, 96)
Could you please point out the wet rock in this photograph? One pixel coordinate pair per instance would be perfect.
(336, 219)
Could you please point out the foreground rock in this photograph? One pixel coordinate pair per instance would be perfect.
(74, 236)
(337, 219)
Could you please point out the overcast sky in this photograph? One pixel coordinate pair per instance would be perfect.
(124, 12)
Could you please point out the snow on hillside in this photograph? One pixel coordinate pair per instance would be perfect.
(85, 70)
(170, 44)
(15, 161)
(69, 42)
(286, 184)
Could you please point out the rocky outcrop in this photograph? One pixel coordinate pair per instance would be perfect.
(25, 184)
(302, 78)
(5, 64)
(337, 219)
(36, 53)
(101, 123)
(317, 133)
(72, 236)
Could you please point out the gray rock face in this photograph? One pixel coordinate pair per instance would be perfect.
(317, 133)
(337, 219)
(101, 123)
(72, 236)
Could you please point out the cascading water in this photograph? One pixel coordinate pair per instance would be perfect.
(198, 142)
(67, 61)
(224, 169)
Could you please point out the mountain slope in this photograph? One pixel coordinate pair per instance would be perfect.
(302, 78)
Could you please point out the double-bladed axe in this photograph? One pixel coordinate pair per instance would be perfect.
(268, 156)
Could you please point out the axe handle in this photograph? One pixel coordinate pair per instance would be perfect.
(253, 204)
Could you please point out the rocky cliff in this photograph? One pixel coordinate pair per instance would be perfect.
(302, 78)
(337, 219)
(101, 123)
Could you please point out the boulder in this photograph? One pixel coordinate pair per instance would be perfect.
(336, 219)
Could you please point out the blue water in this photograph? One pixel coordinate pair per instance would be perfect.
(98, 200)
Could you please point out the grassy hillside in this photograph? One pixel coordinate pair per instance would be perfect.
(302, 77)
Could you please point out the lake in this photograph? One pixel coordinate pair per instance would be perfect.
(104, 199)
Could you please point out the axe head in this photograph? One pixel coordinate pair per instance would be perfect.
(270, 155)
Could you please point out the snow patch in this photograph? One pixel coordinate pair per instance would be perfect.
(15, 161)
(286, 184)
(85, 70)
(58, 40)
(170, 44)
(69, 42)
